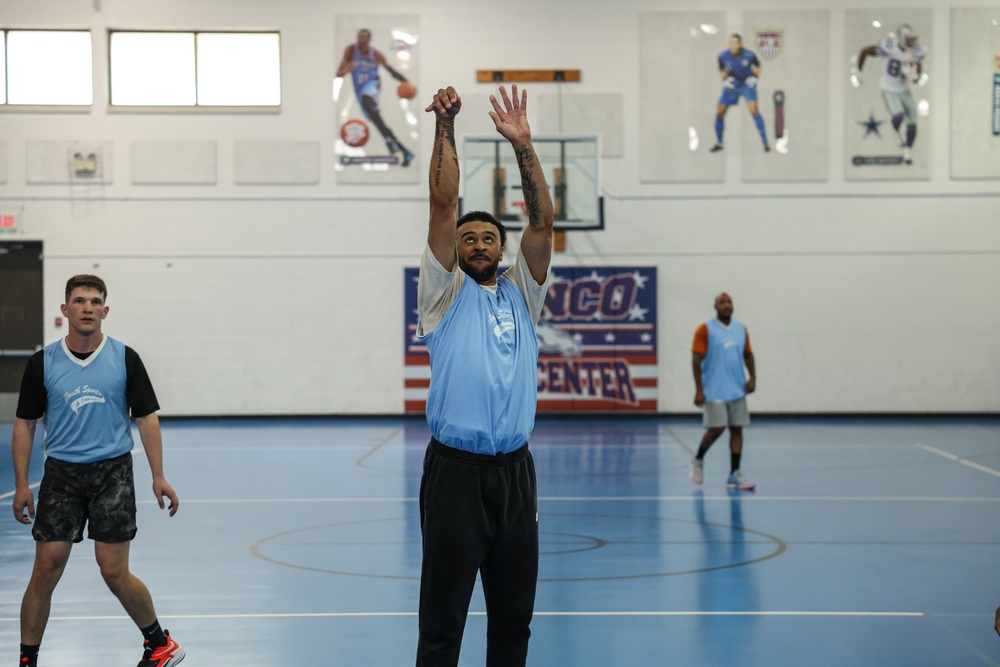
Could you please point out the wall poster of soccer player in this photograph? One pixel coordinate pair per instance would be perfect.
(790, 84)
(678, 86)
(888, 82)
(376, 108)
(975, 93)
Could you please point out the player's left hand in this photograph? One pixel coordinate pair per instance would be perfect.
(751, 82)
(751, 385)
(512, 120)
(24, 506)
(162, 489)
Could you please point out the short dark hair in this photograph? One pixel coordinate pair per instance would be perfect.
(366, 32)
(86, 280)
(483, 216)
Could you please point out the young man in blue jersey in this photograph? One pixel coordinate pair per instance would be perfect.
(362, 60)
(85, 386)
(739, 69)
(478, 500)
(720, 351)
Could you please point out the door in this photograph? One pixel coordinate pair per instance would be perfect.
(20, 316)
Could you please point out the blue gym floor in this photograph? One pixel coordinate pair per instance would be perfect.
(868, 542)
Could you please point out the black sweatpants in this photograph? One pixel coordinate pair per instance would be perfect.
(478, 513)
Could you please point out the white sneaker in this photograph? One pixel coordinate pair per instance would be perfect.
(697, 471)
(737, 481)
(906, 155)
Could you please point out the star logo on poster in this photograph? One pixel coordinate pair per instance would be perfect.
(637, 313)
(871, 125)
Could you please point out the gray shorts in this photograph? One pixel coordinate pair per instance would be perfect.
(719, 414)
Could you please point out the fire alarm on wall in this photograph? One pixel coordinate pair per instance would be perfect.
(58, 321)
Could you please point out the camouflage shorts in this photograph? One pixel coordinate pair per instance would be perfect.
(100, 495)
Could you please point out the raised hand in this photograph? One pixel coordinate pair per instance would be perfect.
(511, 120)
(446, 103)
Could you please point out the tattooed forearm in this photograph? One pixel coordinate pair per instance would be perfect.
(527, 163)
(445, 136)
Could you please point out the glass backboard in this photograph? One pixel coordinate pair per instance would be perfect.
(491, 180)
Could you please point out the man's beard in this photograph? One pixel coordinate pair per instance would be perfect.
(479, 272)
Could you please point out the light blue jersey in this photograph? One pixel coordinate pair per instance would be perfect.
(722, 374)
(365, 77)
(484, 373)
(87, 416)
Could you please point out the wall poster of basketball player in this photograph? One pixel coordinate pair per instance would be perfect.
(975, 93)
(376, 108)
(792, 49)
(888, 82)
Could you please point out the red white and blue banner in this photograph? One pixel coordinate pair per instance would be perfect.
(596, 342)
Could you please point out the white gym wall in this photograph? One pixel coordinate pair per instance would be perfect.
(286, 298)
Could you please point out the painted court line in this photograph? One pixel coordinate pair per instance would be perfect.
(410, 614)
(957, 459)
(623, 499)
(10, 494)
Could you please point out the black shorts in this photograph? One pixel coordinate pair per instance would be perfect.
(101, 495)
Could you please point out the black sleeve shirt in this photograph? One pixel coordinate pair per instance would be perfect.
(33, 399)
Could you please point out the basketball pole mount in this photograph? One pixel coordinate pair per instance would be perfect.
(530, 75)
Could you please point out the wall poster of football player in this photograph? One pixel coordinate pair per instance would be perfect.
(792, 51)
(975, 93)
(678, 86)
(888, 84)
(376, 110)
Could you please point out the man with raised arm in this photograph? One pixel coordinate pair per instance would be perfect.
(478, 501)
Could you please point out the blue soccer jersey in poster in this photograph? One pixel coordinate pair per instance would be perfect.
(740, 77)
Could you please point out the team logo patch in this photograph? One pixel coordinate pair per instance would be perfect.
(354, 133)
(769, 43)
(398, 45)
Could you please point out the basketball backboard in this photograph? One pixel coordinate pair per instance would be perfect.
(491, 180)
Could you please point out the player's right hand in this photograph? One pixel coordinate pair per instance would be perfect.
(856, 77)
(699, 398)
(446, 103)
(730, 83)
(24, 506)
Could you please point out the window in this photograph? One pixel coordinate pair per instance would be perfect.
(203, 69)
(48, 67)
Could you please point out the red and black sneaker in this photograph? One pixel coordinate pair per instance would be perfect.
(162, 656)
